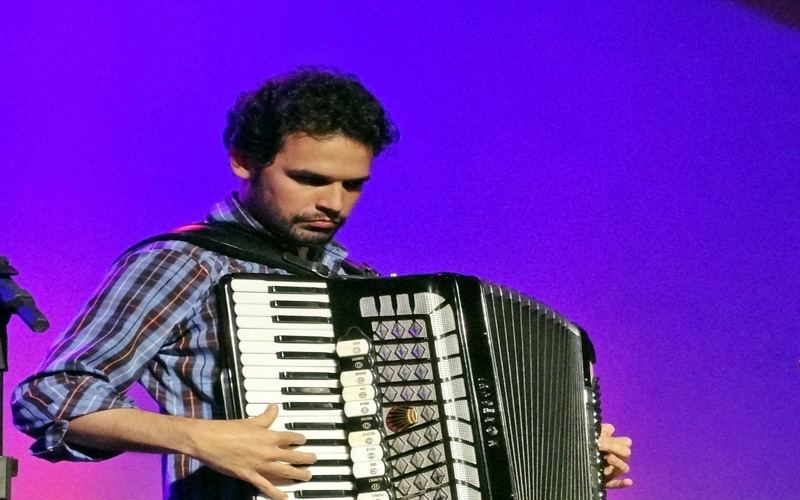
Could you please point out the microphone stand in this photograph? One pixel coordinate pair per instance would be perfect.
(13, 300)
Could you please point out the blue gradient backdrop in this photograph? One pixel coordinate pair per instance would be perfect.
(633, 164)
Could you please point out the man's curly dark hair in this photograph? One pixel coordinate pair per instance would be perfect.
(316, 101)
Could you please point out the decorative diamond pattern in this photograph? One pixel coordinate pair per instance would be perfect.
(435, 495)
(384, 352)
(432, 433)
(401, 352)
(421, 481)
(424, 393)
(439, 494)
(398, 445)
(414, 439)
(435, 455)
(421, 372)
(415, 330)
(401, 465)
(390, 393)
(386, 373)
(407, 394)
(439, 475)
(418, 460)
(428, 413)
(398, 330)
(418, 351)
(382, 330)
(404, 373)
(403, 487)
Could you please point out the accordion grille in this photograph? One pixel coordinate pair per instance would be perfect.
(548, 407)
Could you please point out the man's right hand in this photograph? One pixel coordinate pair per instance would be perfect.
(249, 450)
(245, 449)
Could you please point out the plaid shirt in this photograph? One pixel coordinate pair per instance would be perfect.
(153, 320)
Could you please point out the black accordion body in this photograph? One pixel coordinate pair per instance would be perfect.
(438, 387)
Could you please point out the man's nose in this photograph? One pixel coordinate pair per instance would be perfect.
(331, 199)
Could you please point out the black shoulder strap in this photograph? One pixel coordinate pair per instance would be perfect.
(240, 243)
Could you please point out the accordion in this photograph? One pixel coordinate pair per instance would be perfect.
(427, 387)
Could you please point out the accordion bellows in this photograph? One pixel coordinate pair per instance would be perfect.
(422, 387)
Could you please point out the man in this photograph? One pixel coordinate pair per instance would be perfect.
(302, 146)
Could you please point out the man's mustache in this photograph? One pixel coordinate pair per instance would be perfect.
(337, 219)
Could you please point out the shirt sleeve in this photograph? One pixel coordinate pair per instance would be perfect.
(140, 306)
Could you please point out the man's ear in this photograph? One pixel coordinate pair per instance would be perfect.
(240, 166)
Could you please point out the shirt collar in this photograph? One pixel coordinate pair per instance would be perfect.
(231, 210)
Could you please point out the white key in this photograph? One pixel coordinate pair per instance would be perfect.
(266, 298)
(268, 323)
(311, 486)
(268, 335)
(255, 409)
(291, 496)
(250, 285)
(282, 419)
(254, 347)
(314, 434)
(339, 451)
(268, 384)
(327, 471)
(264, 310)
(274, 372)
(277, 397)
(272, 360)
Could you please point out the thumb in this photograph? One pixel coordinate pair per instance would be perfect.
(268, 417)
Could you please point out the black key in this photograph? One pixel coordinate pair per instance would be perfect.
(308, 376)
(311, 391)
(306, 355)
(298, 304)
(324, 493)
(303, 405)
(296, 289)
(296, 339)
(301, 319)
(325, 442)
(330, 478)
(332, 462)
(314, 426)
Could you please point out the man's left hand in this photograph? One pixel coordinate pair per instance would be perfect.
(617, 451)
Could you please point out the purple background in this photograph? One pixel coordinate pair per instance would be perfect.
(633, 164)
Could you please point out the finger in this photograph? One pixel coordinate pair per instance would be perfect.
(268, 417)
(266, 487)
(616, 467)
(289, 438)
(607, 430)
(297, 457)
(620, 446)
(291, 456)
(284, 470)
(619, 483)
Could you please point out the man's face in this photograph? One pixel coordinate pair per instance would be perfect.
(307, 193)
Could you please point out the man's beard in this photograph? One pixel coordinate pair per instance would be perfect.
(292, 232)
